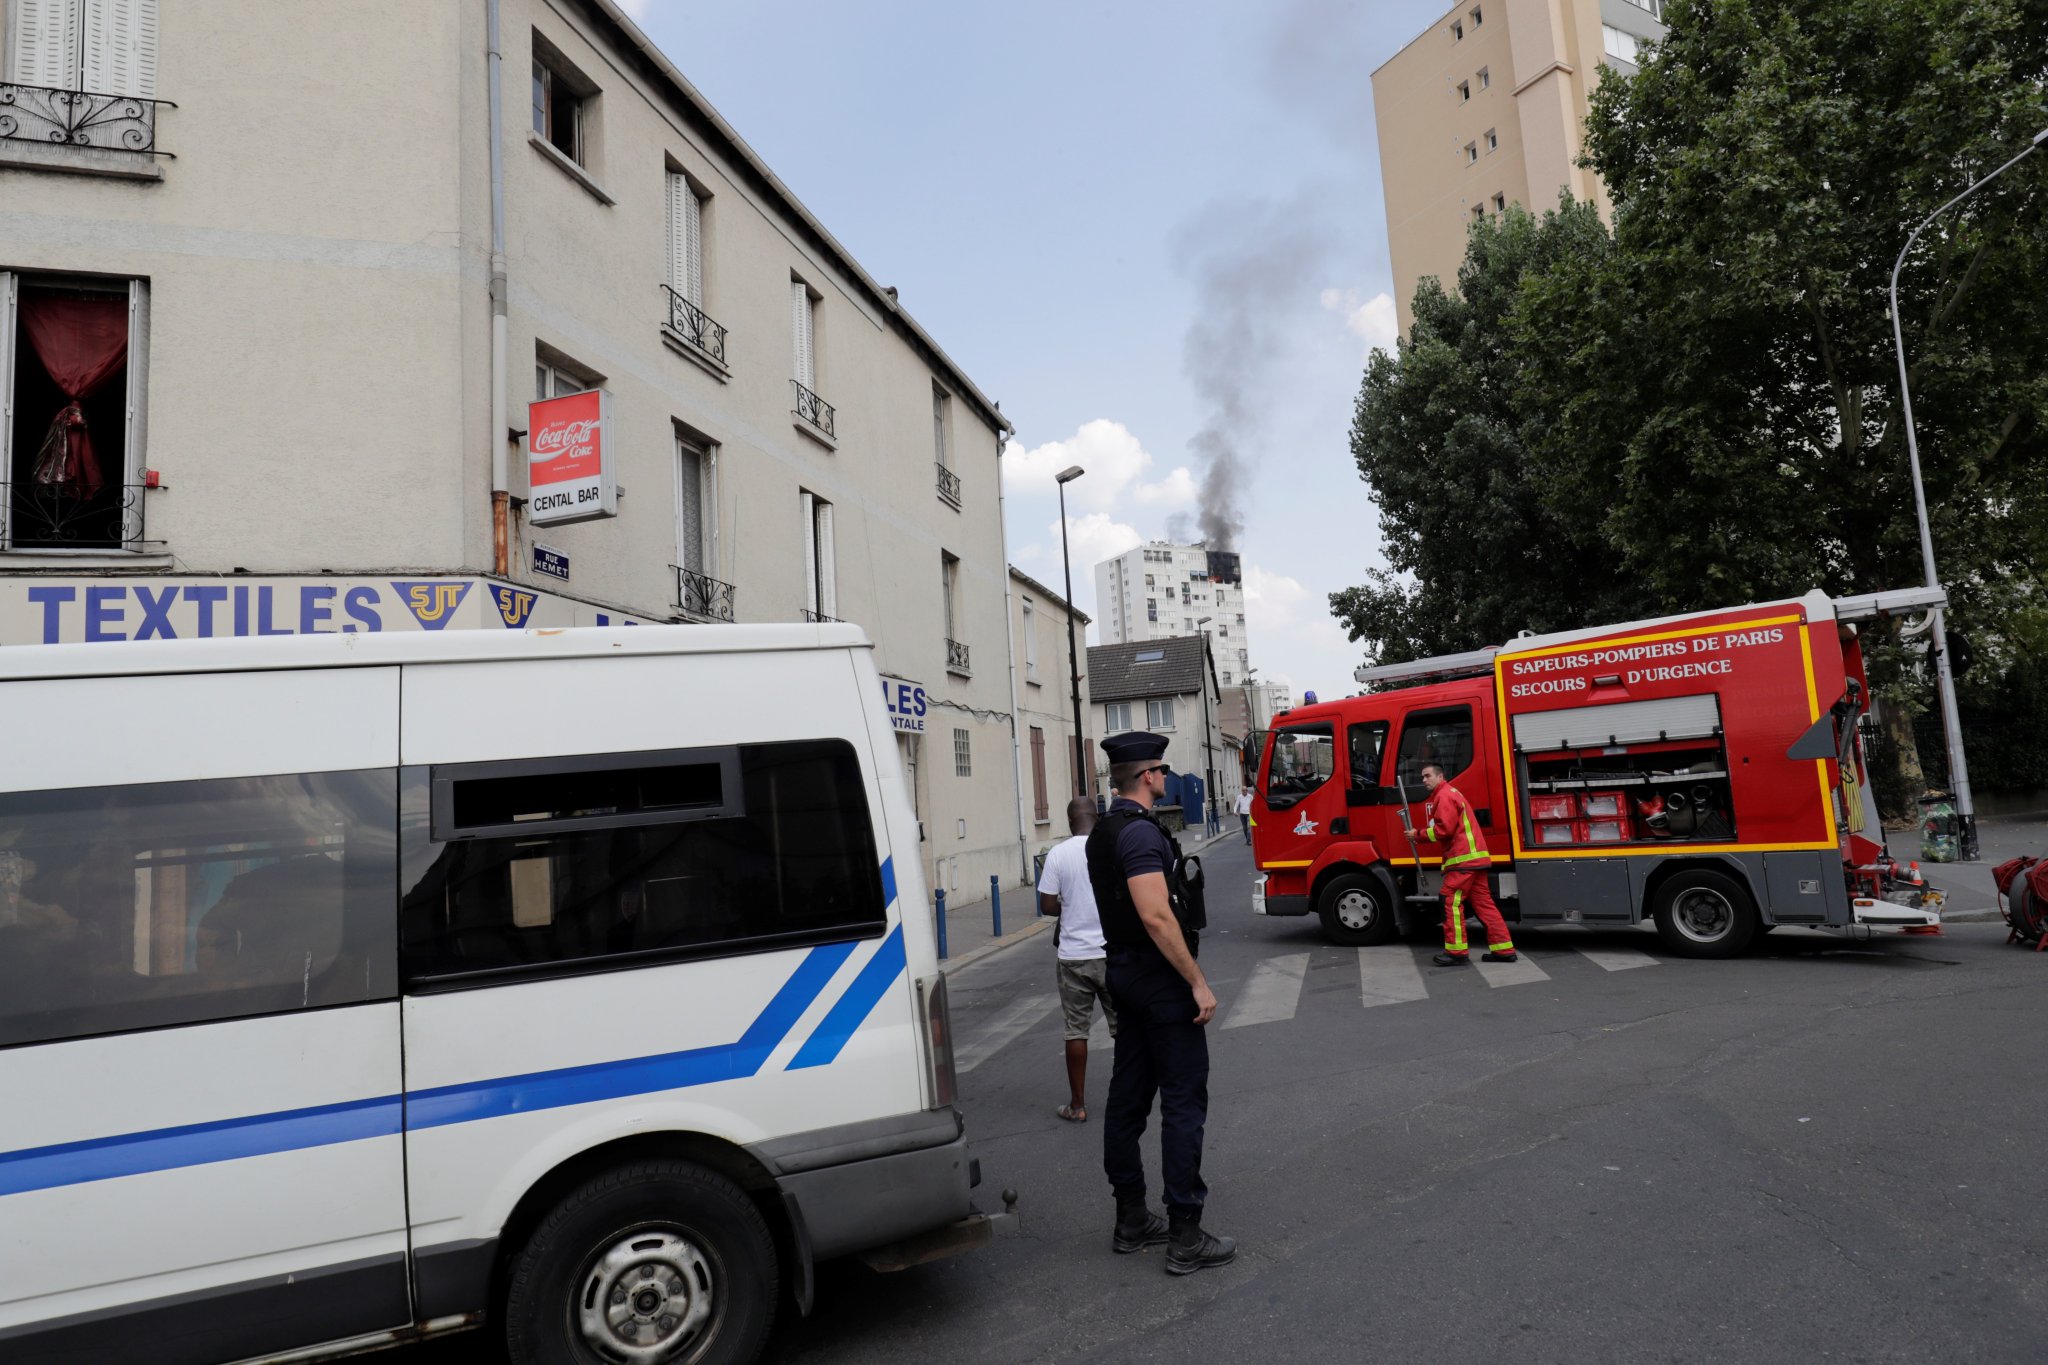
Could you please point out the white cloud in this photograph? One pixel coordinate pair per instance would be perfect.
(1372, 320)
(1120, 471)
(1289, 621)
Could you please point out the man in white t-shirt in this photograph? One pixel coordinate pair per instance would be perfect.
(1063, 891)
(1244, 811)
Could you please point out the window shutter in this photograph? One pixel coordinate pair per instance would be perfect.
(136, 445)
(810, 506)
(800, 330)
(120, 47)
(828, 587)
(690, 505)
(45, 42)
(685, 239)
(6, 393)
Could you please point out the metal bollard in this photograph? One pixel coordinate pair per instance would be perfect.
(995, 902)
(939, 896)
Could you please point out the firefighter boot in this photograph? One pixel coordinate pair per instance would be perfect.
(1191, 1249)
(1451, 960)
(1137, 1227)
(1500, 955)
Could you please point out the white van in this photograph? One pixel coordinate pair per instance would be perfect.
(360, 987)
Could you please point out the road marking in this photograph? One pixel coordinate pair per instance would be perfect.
(1389, 976)
(1520, 972)
(1002, 1030)
(1615, 959)
(1273, 993)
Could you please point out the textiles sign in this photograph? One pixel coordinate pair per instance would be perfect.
(569, 459)
(906, 704)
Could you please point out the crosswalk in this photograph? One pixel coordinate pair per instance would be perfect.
(1394, 974)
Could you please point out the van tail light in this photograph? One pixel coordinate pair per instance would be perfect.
(938, 1023)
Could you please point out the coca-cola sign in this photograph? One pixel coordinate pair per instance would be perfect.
(568, 450)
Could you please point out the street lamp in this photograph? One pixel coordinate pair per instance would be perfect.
(1208, 743)
(1080, 751)
(1951, 718)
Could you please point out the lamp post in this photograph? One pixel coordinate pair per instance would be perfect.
(1208, 741)
(1951, 718)
(1080, 748)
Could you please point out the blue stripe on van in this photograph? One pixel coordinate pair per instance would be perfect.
(888, 882)
(881, 971)
(198, 1144)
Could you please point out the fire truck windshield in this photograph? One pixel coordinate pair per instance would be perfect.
(1304, 757)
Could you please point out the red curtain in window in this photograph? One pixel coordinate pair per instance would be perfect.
(81, 342)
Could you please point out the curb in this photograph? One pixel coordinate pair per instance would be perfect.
(994, 946)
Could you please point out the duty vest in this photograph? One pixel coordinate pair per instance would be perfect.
(1121, 924)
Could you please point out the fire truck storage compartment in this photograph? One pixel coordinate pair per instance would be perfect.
(1589, 890)
(1626, 772)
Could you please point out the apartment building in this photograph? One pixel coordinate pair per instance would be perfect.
(1487, 107)
(1162, 590)
(279, 283)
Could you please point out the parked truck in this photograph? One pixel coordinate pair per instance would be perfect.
(1704, 771)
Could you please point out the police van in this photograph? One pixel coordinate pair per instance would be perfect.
(360, 987)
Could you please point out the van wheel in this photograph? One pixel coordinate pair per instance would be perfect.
(655, 1263)
(1703, 913)
(1354, 911)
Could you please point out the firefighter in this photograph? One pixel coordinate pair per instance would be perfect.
(1465, 867)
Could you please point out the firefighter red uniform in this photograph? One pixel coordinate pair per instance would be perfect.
(1465, 866)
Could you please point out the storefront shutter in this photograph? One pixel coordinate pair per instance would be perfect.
(45, 43)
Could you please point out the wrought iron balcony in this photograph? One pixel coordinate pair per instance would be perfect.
(692, 324)
(703, 598)
(956, 659)
(949, 487)
(39, 516)
(819, 617)
(78, 118)
(813, 409)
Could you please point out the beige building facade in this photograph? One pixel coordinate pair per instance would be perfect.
(299, 286)
(1045, 709)
(1486, 108)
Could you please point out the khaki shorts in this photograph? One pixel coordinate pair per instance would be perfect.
(1081, 985)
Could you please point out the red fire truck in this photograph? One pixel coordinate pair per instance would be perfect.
(1704, 771)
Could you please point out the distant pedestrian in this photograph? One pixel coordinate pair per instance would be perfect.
(1244, 811)
(1083, 971)
(1466, 863)
(1150, 899)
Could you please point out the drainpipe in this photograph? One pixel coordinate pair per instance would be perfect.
(1010, 648)
(501, 495)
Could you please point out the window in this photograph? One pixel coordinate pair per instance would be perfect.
(949, 583)
(693, 503)
(1159, 713)
(560, 97)
(1457, 30)
(1476, 19)
(942, 416)
(1500, 203)
(554, 374)
(1478, 212)
(1042, 807)
(1442, 737)
(685, 238)
(1655, 7)
(1485, 79)
(1151, 609)
(1226, 677)
(1464, 90)
(1304, 757)
(821, 580)
(535, 867)
(109, 49)
(76, 355)
(1116, 717)
(1471, 152)
(1492, 140)
(1620, 46)
(1148, 580)
(803, 322)
(186, 902)
(963, 755)
(1148, 656)
(1030, 640)
(1368, 741)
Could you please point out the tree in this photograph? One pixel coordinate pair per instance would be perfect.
(1437, 436)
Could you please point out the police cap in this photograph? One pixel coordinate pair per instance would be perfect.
(1138, 746)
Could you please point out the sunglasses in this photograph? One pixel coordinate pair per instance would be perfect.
(1162, 768)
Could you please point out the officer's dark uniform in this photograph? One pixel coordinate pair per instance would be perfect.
(1160, 1049)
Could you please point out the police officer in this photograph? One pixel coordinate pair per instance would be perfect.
(1150, 904)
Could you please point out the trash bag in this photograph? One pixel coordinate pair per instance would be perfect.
(1941, 829)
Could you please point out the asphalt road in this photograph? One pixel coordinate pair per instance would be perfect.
(1824, 1151)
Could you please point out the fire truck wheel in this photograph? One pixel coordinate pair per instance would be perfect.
(1703, 913)
(1355, 912)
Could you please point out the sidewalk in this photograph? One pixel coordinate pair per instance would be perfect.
(970, 928)
(1973, 897)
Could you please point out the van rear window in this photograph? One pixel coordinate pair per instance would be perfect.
(744, 849)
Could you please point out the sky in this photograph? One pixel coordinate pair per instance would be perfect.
(1153, 232)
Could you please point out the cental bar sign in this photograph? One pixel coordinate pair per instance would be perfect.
(568, 458)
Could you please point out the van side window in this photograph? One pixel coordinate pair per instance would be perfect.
(1304, 757)
(1368, 741)
(533, 868)
(1442, 737)
(133, 907)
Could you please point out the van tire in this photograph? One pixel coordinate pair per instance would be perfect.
(1704, 913)
(1355, 912)
(671, 1218)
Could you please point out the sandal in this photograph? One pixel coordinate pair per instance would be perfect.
(1071, 1114)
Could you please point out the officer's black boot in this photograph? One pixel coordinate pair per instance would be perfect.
(1137, 1227)
(1190, 1249)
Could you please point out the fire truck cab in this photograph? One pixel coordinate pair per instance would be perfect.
(1705, 772)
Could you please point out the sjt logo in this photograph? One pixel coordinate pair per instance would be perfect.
(432, 604)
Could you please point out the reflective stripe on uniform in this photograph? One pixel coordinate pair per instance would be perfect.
(1455, 940)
